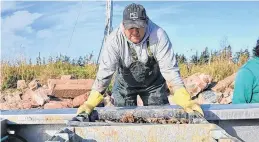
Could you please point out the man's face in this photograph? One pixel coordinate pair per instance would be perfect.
(135, 35)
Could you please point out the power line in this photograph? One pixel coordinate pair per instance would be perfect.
(108, 25)
(70, 40)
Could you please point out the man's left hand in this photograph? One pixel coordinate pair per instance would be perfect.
(182, 98)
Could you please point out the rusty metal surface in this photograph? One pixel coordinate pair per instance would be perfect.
(37, 119)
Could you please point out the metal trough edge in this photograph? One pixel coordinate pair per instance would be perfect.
(60, 116)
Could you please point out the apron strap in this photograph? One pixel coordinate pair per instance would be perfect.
(134, 53)
(148, 49)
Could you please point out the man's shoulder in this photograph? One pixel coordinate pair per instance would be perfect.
(114, 35)
(156, 32)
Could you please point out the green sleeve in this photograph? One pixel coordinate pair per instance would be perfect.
(243, 86)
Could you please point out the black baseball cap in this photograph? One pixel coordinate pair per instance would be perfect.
(134, 15)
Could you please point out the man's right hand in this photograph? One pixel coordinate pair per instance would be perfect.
(94, 99)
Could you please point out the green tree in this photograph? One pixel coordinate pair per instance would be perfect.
(38, 60)
(195, 58)
(80, 61)
(205, 55)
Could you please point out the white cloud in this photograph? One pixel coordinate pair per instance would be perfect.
(89, 28)
(7, 6)
(44, 33)
(28, 30)
(12, 42)
(66, 20)
(19, 20)
(89, 13)
(53, 29)
(49, 31)
(12, 45)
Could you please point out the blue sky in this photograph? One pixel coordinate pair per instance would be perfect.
(28, 28)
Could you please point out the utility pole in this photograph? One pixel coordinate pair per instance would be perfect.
(109, 15)
(108, 24)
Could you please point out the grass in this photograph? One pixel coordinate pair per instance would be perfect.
(217, 68)
(22, 71)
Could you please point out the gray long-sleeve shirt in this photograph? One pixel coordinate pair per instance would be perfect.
(116, 47)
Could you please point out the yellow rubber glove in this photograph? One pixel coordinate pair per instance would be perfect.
(94, 99)
(182, 98)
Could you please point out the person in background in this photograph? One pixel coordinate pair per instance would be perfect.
(246, 89)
